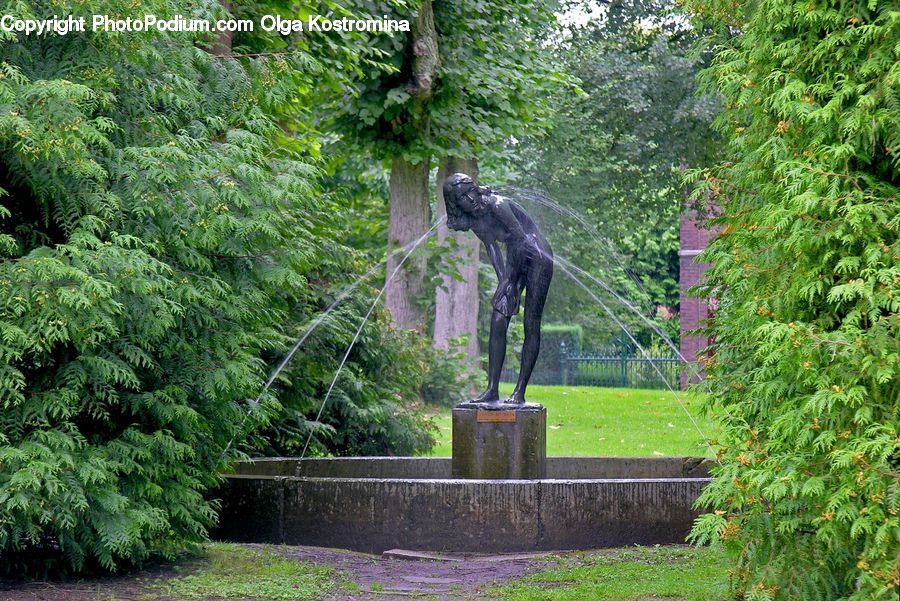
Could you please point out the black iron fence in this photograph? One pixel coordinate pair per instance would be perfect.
(618, 366)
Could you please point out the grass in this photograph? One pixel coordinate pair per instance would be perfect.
(637, 573)
(234, 572)
(591, 421)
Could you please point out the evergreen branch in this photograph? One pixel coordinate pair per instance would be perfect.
(257, 54)
(249, 256)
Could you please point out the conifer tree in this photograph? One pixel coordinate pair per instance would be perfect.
(806, 270)
(161, 245)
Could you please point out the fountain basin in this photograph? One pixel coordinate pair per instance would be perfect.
(374, 504)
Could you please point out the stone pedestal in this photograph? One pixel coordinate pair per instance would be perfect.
(493, 441)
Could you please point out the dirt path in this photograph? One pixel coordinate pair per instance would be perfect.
(392, 578)
(378, 578)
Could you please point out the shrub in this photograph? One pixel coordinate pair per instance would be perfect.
(804, 369)
(449, 378)
(375, 408)
(142, 231)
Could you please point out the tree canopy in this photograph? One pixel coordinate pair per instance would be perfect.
(492, 80)
(614, 156)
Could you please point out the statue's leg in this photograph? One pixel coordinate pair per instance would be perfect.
(496, 355)
(536, 285)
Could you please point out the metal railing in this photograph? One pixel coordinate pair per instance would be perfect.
(612, 366)
(621, 366)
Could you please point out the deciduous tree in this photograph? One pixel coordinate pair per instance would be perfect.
(452, 93)
(613, 155)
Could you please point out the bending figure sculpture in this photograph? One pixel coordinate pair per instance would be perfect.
(528, 266)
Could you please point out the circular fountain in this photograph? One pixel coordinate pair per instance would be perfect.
(499, 492)
(374, 504)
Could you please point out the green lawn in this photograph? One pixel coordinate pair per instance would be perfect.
(590, 421)
(634, 574)
(230, 571)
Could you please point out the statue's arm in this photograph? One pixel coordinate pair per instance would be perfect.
(496, 257)
(505, 299)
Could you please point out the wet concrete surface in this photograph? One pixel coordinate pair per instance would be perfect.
(499, 444)
(496, 516)
(436, 468)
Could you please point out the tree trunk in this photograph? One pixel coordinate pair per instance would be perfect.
(426, 60)
(410, 217)
(222, 44)
(410, 214)
(456, 302)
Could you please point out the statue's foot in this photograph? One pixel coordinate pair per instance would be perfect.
(488, 396)
(515, 399)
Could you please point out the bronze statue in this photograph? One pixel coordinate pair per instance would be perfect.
(528, 267)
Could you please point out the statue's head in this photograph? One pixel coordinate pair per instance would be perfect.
(464, 201)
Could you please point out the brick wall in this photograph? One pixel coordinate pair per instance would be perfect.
(693, 310)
